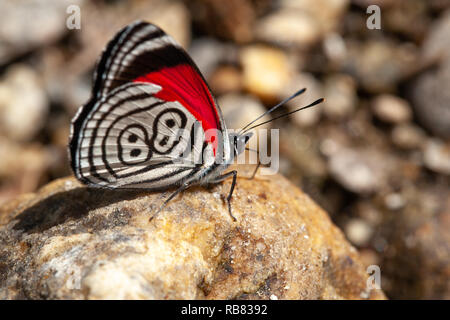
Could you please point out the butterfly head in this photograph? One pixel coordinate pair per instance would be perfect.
(239, 141)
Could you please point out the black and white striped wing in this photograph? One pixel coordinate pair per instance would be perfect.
(136, 50)
(132, 139)
(148, 97)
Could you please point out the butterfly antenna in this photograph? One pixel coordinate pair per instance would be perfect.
(299, 92)
(250, 149)
(286, 114)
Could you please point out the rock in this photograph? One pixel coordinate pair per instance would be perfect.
(289, 27)
(391, 109)
(23, 103)
(394, 201)
(358, 231)
(340, 93)
(70, 242)
(334, 48)
(226, 79)
(437, 156)
(327, 14)
(328, 146)
(266, 71)
(437, 42)
(357, 170)
(429, 92)
(408, 136)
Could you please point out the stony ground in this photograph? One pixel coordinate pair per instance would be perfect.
(71, 242)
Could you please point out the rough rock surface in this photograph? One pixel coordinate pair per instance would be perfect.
(70, 242)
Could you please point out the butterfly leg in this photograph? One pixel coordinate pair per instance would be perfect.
(233, 184)
(173, 195)
(257, 166)
(256, 170)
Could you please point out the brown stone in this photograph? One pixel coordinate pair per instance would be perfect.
(67, 241)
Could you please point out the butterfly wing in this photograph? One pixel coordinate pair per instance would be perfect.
(133, 139)
(143, 52)
(140, 63)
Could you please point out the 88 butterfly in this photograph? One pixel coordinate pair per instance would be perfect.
(152, 122)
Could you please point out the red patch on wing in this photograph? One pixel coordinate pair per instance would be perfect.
(183, 83)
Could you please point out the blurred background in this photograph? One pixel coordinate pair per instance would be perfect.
(375, 155)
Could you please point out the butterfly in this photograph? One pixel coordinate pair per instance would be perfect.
(150, 107)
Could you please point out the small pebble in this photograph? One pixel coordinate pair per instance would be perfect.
(358, 231)
(394, 201)
(328, 147)
(266, 82)
(354, 171)
(226, 79)
(289, 27)
(23, 103)
(430, 98)
(391, 109)
(408, 136)
(334, 47)
(328, 14)
(340, 93)
(437, 156)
